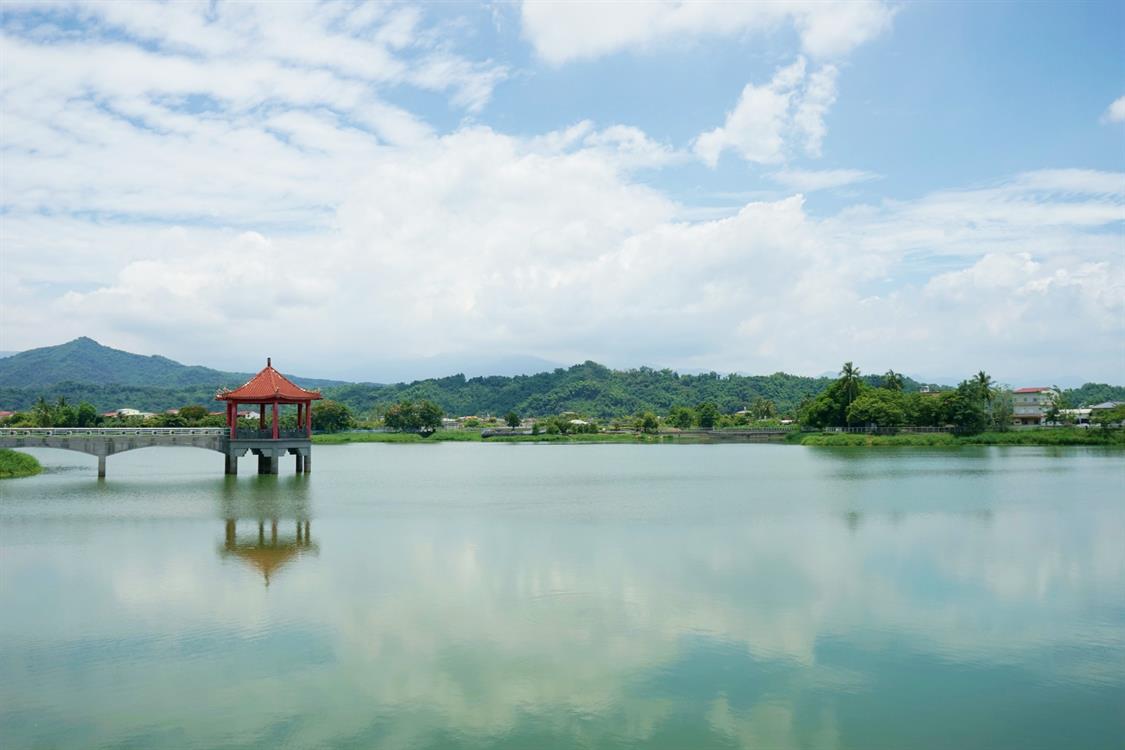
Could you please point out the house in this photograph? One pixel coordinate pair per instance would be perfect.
(1030, 404)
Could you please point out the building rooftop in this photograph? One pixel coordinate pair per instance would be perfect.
(1036, 389)
(268, 385)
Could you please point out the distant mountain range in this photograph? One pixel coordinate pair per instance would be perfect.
(84, 370)
(84, 360)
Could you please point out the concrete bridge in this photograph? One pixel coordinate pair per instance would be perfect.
(107, 441)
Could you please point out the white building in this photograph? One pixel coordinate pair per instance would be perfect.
(1030, 404)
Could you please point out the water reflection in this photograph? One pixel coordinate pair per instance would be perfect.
(279, 504)
(710, 598)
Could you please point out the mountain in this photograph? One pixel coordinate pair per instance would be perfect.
(83, 370)
(87, 362)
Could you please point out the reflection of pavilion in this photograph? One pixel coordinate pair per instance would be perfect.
(268, 554)
(280, 509)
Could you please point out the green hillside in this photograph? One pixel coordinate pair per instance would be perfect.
(85, 361)
(83, 370)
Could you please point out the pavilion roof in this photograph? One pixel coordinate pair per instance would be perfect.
(268, 385)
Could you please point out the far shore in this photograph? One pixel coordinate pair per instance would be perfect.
(1049, 436)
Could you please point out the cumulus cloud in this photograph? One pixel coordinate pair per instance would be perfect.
(565, 31)
(767, 119)
(481, 242)
(1116, 111)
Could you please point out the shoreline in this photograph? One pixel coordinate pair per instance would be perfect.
(1049, 437)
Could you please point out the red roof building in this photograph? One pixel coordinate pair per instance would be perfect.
(269, 387)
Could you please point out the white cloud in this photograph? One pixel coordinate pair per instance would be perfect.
(482, 242)
(1116, 111)
(807, 181)
(767, 119)
(565, 31)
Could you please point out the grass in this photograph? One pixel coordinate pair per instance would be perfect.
(14, 464)
(1052, 436)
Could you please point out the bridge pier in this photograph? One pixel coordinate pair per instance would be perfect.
(300, 464)
(232, 464)
(101, 467)
(308, 463)
(267, 464)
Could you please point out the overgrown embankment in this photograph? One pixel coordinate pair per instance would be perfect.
(14, 464)
(1059, 436)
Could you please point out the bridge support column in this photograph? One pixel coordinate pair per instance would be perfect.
(300, 464)
(232, 464)
(308, 462)
(267, 464)
(101, 467)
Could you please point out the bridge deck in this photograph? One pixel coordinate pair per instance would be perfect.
(107, 441)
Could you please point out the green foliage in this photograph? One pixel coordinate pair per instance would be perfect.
(1095, 393)
(886, 409)
(14, 464)
(708, 415)
(648, 423)
(84, 360)
(1106, 418)
(893, 381)
(681, 417)
(414, 416)
(331, 416)
(193, 413)
(763, 408)
(512, 419)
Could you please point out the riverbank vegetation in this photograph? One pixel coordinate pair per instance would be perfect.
(1045, 436)
(14, 464)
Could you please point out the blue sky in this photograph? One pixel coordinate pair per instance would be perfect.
(386, 191)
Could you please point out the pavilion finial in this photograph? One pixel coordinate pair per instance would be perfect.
(269, 363)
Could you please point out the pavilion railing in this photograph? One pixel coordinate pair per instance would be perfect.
(247, 433)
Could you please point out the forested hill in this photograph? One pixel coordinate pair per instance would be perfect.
(590, 389)
(83, 370)
(85, 361)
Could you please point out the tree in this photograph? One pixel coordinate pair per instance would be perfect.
(42, 414)
(681, 417)
(648, 423)
(1056, 407)
(421, 416)
(331, 416)
(763, 408)
(893, 381)
(1002, 409)
(983, 381)
(1107, 418)
(962, 408)
(881, 407)
(512, 419)
(193, 413)
(850, 385)
(708, 415)
(87, 415)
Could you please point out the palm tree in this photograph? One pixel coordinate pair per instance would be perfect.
(983, 382)
(893, 381)
(850, 382)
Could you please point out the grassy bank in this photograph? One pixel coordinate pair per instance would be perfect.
(14, 464)
(1062, 436)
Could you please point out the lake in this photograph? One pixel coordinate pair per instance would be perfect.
(567, 596)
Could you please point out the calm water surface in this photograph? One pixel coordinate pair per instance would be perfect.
(547, 596)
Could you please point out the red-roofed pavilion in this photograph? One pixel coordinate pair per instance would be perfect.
(269, 387)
